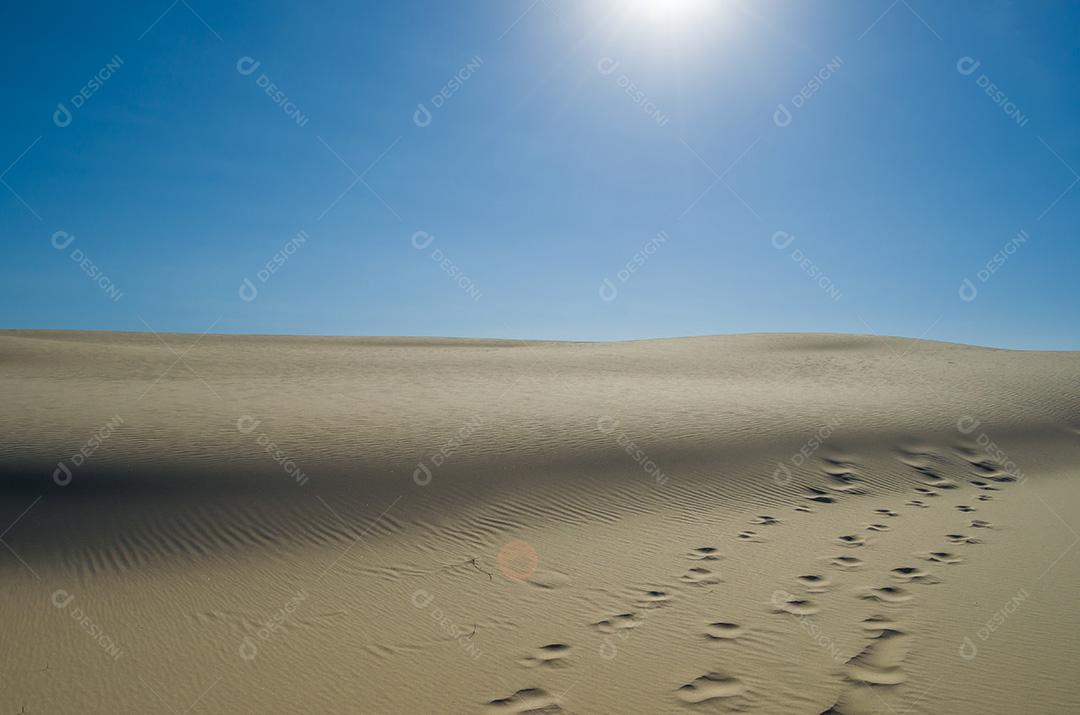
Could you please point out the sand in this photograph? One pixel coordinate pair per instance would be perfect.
(754, 523)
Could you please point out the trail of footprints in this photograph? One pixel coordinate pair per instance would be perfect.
(880, 664)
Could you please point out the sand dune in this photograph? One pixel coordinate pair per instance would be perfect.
(755, 523)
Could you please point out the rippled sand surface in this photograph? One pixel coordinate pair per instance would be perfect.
(758, 523)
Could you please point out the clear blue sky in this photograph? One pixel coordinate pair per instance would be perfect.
(569, 135)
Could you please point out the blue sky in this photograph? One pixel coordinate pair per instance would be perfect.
(812, 167)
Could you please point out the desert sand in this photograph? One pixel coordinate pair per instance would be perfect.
(755, 523)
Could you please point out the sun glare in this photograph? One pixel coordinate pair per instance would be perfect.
(666, 10)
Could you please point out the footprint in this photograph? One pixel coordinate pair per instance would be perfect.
(878, 624)
(547, 579)
(852, 540)
(619, 622)
(965, 508)
(879, 663)
(886, 512)
(814, 584)
(917, 503)
(856, 701)
(846, 483)
(888, 594)
(848, 563)
(984, 497)
(751, 536)
(765, 520)
(723, 631)
(980, 524)
(710, 687)
(877, 527)
(934, 479)
(653, 599)
(552, 654)
(910, 574)
(804, 509)
(784, 602)
(962, 539)
(836, 466)
(986, 466)
(699, 576)
(943, 557)
(926, 492)
(529, 700)
(705, 553)
(820, 496)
